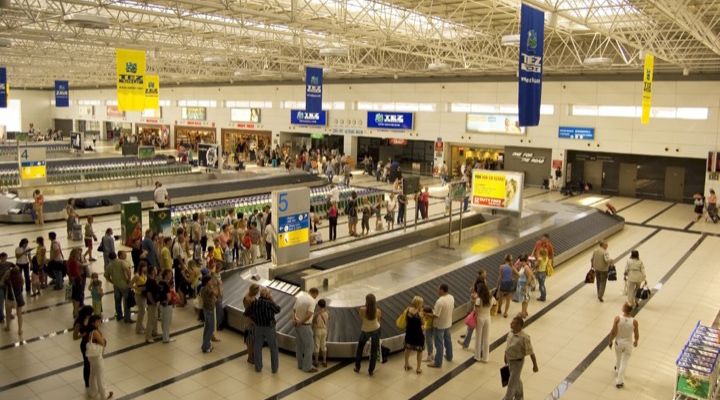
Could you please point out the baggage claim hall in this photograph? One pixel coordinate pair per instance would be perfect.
(359, 199)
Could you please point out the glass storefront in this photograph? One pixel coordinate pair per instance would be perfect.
(416, 156)
(153, 135)
(245, 143)
(300, 141)
(192, 135)
(114, 130)
(488, 157)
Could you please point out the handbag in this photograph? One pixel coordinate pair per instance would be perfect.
(505, 375)
(401, 321)
(471, 320)
(612, 273)
(642, 293)
(549, 269)
(94, 350)
(590, 276)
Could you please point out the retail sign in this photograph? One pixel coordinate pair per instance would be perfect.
(390, 120)
(313, 89)
(302, 117)
(318, 136)
(340, 131)
(243, 126)
(494, 123)
(3, 88)
(62, 94)
(114, 112)
(397, 142)
(130, 68)
(497, 189)
(529, 158)
(152, 92)
(532, 38)
(195, 123)
(647, 88)
(291, 216)
(573, 132)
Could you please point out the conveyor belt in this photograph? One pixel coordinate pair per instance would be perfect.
(345, 322)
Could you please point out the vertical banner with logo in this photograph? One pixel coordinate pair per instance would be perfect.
(152, 92)
(532, 38)
(62, 94)
(130, 79)
(313, 89)
(647, 88)
(130, 219)
(3, 88)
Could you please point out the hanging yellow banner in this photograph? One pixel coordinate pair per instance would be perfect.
(130, 79)
(152, 92)
(647, 88)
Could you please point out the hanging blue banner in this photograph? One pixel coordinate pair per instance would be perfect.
(390, 120)
(3, 88)
(532, 33)
(302, 117)
(62, 94)
(313, 89)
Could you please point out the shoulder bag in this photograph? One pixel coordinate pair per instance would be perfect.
(401, 321)
(93, 350)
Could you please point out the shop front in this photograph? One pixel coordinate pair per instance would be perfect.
(487, 157)
(245, 143)
(633, 175)
(535, 163)
(416, 156)
(297, 141)
(115, 130)
(192, 133)
(153, 132)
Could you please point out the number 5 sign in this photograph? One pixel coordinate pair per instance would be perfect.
(290, 212)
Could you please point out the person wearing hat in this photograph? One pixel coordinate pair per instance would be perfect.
(161, 195)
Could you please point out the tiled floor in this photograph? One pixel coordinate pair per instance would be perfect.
(563, 336)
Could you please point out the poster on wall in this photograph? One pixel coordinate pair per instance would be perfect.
(62, 94)
(497, 189)
(245, 115)
(390, 120)
(494, 123)
(76, 140)
(208, 155)
(3, 88)
(438, 157)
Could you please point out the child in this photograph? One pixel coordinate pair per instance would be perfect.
(319, 325)
(89, 237)
(38, 262)
(428, 330)
(96, 292)
(210, 260)
(366, 219)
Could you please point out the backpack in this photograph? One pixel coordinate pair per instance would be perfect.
(247, 242)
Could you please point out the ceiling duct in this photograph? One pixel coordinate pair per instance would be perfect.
(87, 21)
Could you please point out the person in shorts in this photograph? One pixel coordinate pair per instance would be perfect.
(320, 324)
(90, 238)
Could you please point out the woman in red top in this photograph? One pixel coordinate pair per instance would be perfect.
(425, 203)
(77, 278)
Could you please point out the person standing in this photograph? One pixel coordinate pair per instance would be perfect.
(414, 337)
(152, 294)
(544, 243)
(148, 248)
(302, 320)
(107, 244)
(90, 238)
(402, 207)
(22, 260)
(160, 195)
(390, 207)
(542, 264)
(97, 387)
(370, 316)
(320, 324)
(332, 220)
(442, 323)
(209, 295)
(625, 333)
(80, 332)
(77, 276)
(351, 209)
(248, 299)
(166, 306)
(601, 263)
(134, 241)
(483, 303)
(526, 279)
(518, 347)
(14, 298)
(39, 207)
(139, 285)
(118, 273)
(506, 284)
(269, 236)
(5, 267)
(635, 276)
(70, 216)
(263, 311)
(425, 203)
(57, 261)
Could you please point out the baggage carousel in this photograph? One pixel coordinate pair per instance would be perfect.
(573, 229)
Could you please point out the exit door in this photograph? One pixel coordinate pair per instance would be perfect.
(674, 183)
(628, 180)
(593, 174)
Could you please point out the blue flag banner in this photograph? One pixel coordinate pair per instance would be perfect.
(3, 88)
(62, 94)
(302, 117)
(532, 32)
(313, 89)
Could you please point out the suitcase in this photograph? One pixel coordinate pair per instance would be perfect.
(76, 233)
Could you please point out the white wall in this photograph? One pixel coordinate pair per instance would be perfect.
(34, 107)
(682, 138)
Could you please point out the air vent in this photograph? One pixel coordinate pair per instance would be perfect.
(87, 21)
(510, 40)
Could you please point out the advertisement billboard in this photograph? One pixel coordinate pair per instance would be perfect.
(494, 123)
(302, 117)
(390, 120)
(497, 189)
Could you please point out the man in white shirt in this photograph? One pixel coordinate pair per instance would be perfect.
(302, 320)
(335, 194)
(442, 322)
(160, 195)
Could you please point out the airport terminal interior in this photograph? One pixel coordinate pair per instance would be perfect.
(359, 199)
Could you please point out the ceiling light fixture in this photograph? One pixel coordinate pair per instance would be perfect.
(87, 21)
(213, 59)
(335, 51)
(510, 40)
(598, 61)
(438, 66)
